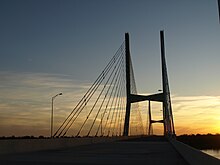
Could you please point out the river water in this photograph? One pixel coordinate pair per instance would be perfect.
(215, 153)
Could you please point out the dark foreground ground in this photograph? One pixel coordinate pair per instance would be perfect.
(138, 151)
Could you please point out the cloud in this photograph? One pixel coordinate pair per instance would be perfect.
(25, 99)
(196, 114)
(25, 106)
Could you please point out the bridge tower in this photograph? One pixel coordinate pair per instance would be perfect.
(167, 108)
(163, 97)
(128, 85)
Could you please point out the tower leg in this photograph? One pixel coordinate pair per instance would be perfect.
(167, 109)
(128, 85)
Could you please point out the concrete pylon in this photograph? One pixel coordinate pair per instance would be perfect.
(167, 108)
(128, 85)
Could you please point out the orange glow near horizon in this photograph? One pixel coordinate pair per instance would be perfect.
(26, 108)
(192, 115)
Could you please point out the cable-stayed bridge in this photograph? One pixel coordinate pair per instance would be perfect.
(106, 126)
(110, 106)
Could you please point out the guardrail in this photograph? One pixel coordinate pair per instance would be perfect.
(194, 156)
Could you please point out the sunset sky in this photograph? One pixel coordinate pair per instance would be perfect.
(52, 46)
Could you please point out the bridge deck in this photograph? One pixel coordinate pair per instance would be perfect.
(122, 152)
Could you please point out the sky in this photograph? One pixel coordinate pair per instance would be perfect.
(52, 46)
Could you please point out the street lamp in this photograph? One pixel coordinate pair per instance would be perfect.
(51, 129)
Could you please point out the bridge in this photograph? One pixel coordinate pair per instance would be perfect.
(110, 106)
(106, 126)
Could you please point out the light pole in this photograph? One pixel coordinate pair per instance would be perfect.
(51, 129)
